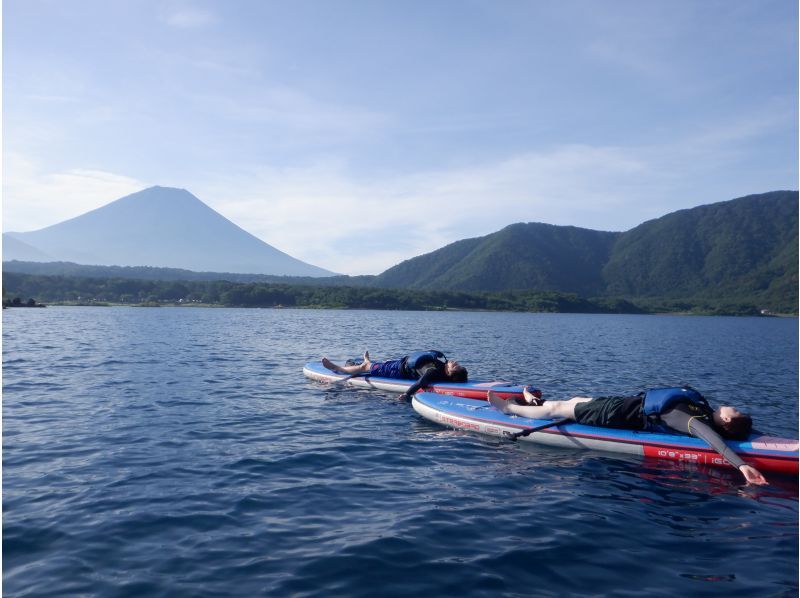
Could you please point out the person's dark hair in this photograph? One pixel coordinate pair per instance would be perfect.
(458, 374)
(738, 428)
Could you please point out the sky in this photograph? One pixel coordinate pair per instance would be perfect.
(356, 134)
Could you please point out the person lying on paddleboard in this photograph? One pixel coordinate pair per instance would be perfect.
(681, 410)
(426, 367)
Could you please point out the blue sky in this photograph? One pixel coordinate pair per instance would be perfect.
(356, 134)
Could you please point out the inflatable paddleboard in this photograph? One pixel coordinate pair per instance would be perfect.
(765, 453)
(469, 390)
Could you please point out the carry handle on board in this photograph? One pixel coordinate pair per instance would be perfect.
(527, 432)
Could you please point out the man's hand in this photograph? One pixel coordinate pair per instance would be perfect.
(752, 475)
(404, 397)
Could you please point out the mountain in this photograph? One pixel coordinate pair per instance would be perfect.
(20, 250)
(740, 252)
(520, 256)
(159, 226)
(733, 247)
(742, 249)
(72, 270)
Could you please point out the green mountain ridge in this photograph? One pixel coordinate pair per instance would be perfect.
(737, 245)
(745, 249)
(520, 256)
(737, 256)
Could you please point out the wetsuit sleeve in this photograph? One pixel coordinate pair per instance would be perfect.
(685, 423)
(430, 376)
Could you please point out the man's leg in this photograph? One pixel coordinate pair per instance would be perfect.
(550, 410)
(346, 369)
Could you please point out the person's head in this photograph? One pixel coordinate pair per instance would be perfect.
(455, 371)
(732, 423)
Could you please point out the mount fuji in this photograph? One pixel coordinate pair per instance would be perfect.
(160, 227)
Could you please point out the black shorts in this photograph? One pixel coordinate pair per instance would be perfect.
(611, 412)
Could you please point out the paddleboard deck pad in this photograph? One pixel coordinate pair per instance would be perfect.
(469, 390)
(765, 453)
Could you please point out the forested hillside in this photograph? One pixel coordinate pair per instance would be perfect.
(743, 250)
(521, 256)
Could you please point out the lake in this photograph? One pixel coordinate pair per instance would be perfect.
(181, 452)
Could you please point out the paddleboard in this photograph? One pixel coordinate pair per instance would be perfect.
(765, 453)
(475, 389)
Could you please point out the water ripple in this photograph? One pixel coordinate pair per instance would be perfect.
(180, 452)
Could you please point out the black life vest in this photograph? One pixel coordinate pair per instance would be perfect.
(419, 359)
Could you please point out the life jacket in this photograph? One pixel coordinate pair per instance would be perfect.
(418, 359)
(658, 400)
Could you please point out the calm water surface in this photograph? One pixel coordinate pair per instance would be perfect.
(181, 452)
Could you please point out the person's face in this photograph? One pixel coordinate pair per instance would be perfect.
(727, 413)
(450, 366)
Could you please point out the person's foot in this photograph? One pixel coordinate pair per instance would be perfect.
(328, 364)
(533, 396)
(366, 357)
(495, 401)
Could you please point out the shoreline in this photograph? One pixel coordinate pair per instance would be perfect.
(429, 309)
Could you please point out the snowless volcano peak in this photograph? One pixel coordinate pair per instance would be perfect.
(160, 227)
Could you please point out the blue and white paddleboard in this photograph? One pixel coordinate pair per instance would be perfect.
(766, 453)
(470, 390)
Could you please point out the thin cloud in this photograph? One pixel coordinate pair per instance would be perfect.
(34, 200)
(632, 59)
(291, 109)
(322, 214)
(188, 17)
(315, 213)
(58, 99)
(776, 114)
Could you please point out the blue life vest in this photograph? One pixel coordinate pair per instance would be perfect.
(419, 359)
(658, 400)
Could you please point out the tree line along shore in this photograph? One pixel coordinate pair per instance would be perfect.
(67, 290)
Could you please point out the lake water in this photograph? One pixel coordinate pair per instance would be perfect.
(181, 452)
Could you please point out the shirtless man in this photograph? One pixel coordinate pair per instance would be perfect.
(681, 410)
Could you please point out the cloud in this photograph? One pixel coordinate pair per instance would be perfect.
(615, 53)
(778, 113)
(33, 199)
(185, 16)
(294, 111)
(321, 215)
(324, 214)
(56, 99)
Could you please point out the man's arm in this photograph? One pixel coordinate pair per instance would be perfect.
(430, 376)
(685, 423)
